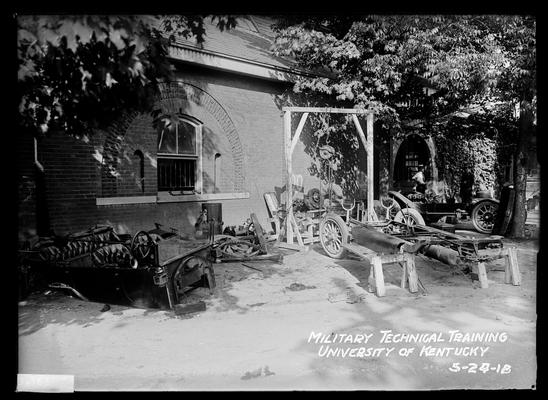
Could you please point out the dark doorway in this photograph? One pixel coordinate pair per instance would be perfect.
(412, 152)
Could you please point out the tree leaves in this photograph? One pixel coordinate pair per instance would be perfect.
(459, 57)
(77, 73)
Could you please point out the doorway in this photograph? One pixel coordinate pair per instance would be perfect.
(412, 152)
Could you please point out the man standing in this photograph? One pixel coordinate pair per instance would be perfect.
(419, 180)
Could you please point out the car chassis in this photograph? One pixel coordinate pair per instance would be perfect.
(154, 269)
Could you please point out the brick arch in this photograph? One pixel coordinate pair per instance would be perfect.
(429, 141)
(172, 96)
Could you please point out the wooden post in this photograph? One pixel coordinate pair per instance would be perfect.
(370, 210)
(259, 232)
(412, 273)
(289, 172)
(404, 274)
(293, 224)
(482, 275)
(376, 265)
(371, 280)
(514, 268)
(507, 269)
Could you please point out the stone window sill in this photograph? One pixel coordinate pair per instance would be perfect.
(166, 197)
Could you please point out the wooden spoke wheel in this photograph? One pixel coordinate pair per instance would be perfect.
(410, 218)
(483, 215)
(333, 234)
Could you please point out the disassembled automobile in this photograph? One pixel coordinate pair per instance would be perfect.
(418, 210)
(398, 235)
(153, 268)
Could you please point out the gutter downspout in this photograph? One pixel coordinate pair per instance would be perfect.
(43, 227)
(36, 162)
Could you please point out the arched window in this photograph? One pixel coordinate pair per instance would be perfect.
(179, 155)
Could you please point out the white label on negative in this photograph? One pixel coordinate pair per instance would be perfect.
(45, 383)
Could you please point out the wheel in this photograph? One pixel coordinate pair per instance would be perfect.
(239, 248)
(141, 246)
(190, 272)
(409, 216)
(333, 233)
(483, 215)
(313, 199)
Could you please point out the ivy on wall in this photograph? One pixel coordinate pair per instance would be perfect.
(479, 147)
(459, 156)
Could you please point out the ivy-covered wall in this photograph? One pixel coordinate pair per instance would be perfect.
(471, 162)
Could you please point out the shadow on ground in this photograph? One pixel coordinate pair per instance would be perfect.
(453, 302)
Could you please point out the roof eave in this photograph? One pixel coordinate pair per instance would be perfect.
(233, 64)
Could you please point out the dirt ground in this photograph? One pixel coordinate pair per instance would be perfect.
(258, 331)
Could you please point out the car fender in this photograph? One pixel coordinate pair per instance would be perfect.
(403, 201)
(477, 200)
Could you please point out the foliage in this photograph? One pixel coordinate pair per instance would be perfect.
(406, 67)
(384, 63)
(479, 143)
(78, 73)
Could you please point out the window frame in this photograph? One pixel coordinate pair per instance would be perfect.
(197, 156)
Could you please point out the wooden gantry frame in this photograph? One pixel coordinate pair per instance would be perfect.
(290, 141)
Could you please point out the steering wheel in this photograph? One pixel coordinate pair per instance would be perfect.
(141, 245)
(347, 202)
(391, 205)
(348, 209)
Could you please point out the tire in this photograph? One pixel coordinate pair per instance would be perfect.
(333, 233)
(393, 205)
(483, 215)
(409, 216)
(312, 199)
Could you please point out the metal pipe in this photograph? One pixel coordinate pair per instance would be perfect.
(36, 162)
(217, 155)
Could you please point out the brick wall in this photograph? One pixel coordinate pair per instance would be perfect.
(26, 205)
(241, 120)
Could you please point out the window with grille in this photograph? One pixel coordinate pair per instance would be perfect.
(179, 152)
(411, 164)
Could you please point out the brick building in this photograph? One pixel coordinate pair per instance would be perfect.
(227, 147)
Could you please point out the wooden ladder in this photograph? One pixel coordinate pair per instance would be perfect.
(376, 276)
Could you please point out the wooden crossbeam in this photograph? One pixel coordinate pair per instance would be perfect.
(327, 110)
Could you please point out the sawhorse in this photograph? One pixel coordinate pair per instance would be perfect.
(512, 273)
(376, 275)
